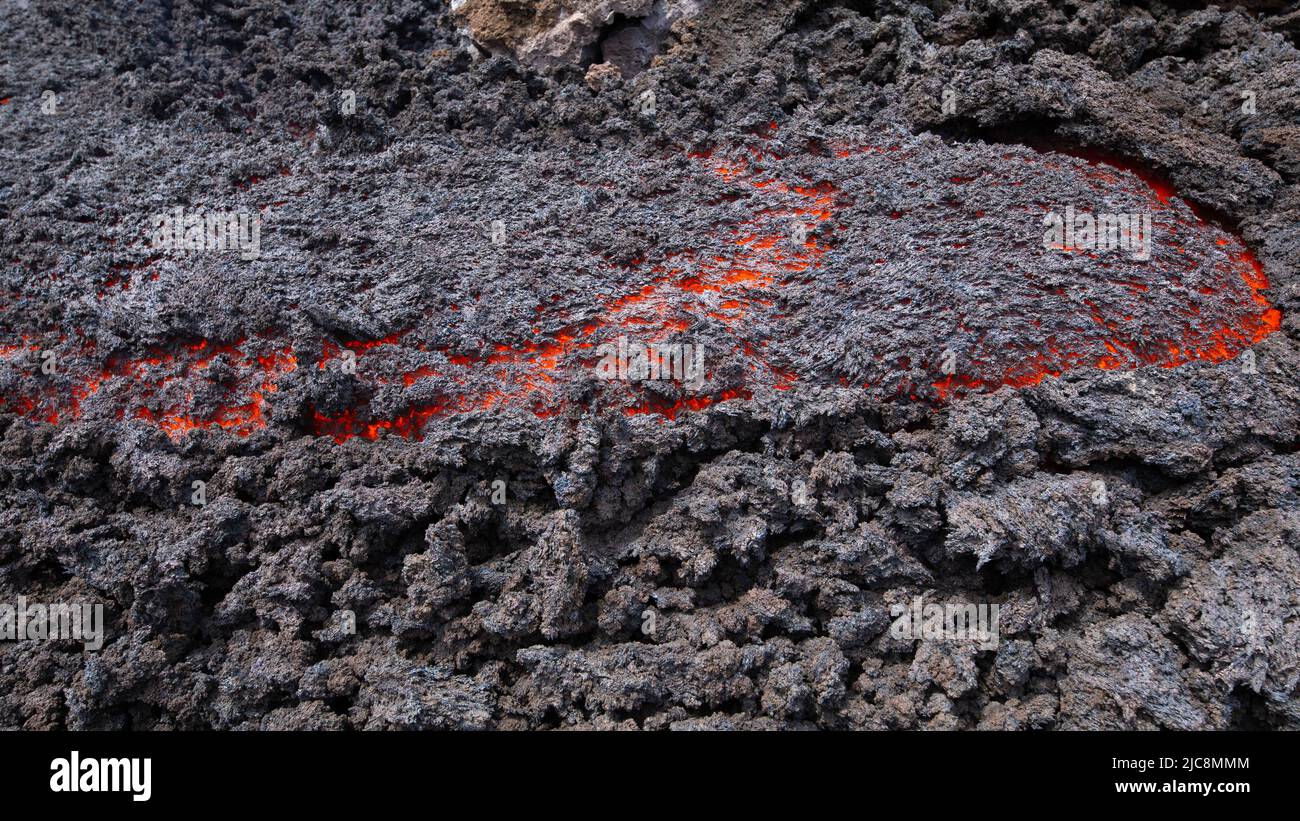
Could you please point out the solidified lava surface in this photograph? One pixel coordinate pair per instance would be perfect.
(423, 507)
(832, 263)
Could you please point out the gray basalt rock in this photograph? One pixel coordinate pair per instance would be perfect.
(373, 475)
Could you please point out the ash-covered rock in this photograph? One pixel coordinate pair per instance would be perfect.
(365, 475)
(626, 34)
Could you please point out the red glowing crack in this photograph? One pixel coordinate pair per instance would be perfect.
(742, 287)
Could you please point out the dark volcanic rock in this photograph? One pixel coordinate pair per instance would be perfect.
(366, 473)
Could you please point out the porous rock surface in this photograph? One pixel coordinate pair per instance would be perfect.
(729, 565)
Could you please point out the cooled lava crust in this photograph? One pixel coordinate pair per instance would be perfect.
(397, 415)
(837, 265)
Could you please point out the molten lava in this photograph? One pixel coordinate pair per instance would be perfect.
(741, 284)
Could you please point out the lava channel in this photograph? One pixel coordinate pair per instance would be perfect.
(912, 272)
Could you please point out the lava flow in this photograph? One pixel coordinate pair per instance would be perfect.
(803, 280)
(173, 388)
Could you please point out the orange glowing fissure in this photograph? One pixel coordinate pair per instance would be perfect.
(152, 388)
(1211, 345)
(736, 284)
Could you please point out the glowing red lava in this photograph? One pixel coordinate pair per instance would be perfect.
(730, 292)
(159, 386)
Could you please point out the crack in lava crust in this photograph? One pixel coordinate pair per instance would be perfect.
(912, 253)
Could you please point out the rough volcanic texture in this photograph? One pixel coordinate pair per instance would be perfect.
(834, 200)
(622, 35)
